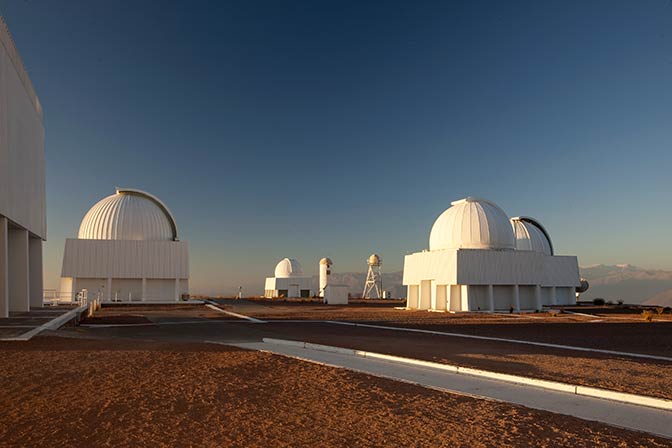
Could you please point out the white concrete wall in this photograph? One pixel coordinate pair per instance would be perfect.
(4, 269)
(160, 290)
(22, 183)
(126, 289)
(19, 270)
(503, 296)
(412, 297)
(565, 296)
(478, 298)
(36, 278)
(527, 298)
(293, 285)
(454, 299)
(125, 259)
(96, 287)
(491, 267)
(336, 295)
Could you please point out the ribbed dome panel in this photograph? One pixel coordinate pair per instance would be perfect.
(288, 267)
(530, 236)
(472, 224)
(124, 216)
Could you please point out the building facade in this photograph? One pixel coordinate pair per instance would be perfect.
(23, 225)
(127, 250)
(288, 281)
(479, 260)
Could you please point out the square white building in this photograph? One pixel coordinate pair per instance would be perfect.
(127, 250)
(288, 281)
(479, 260)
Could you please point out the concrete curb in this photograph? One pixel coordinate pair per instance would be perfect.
(53, 324)
(640, 400)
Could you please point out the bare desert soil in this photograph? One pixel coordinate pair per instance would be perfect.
(620, 373)
(637, 376)
(134, 314)
(79, 392)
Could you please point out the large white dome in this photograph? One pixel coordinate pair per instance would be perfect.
(288, 267)
(472, 223)
(128, 215)
(531, 235)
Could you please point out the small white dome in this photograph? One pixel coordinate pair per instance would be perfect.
(128, 215)
(374, 260)
(472, 223)
(531, 235)
(288, 267)
(326, 261)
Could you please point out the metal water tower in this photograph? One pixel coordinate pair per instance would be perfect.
(374, 278)
(325, 272)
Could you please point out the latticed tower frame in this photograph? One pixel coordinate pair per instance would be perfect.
(374, 280)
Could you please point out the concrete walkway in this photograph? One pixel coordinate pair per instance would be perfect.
(21, 326)
(628, 416)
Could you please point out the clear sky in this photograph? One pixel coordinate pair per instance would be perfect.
(336, 128)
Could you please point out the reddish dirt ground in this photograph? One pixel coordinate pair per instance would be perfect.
(77, 392)
(134, 314)
(619, 373)
(637, 376)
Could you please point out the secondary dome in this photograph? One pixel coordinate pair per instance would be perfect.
(531, 235)
(472, 223)
(326, 261)
(128, 215)
(288, 267)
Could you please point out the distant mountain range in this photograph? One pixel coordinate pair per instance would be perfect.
(625, 282)
(629, 283)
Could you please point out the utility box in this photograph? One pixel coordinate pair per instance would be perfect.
(336, 295)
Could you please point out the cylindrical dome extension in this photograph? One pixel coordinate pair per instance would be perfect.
(325, 272)
(531, 235)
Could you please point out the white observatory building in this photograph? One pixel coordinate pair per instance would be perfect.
(480, 260)
(127, 249)
(23, 224)
(288, 281)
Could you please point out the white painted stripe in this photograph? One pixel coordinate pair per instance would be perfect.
(641, 400)
(513, 341)
(231, 313)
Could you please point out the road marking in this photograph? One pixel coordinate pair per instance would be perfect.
(513, 341)
(231, 313)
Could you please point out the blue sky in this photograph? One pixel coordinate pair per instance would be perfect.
(311, 129)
